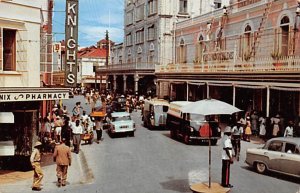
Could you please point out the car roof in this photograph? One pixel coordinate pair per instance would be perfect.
(120, 114)
(295, 140)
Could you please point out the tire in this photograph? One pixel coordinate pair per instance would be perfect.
(186, 139)
(214, 142)
(261, 167)
(172, 134)
(131, 134)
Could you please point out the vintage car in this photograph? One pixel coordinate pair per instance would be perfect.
(155, 113)
(121, 122)
(278, 154)
(191, 127)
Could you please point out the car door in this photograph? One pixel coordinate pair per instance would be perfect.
(289, 161)
(273, 153)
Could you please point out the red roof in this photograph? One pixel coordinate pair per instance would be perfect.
(92, 52)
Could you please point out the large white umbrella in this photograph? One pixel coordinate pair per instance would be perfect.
(209, 107)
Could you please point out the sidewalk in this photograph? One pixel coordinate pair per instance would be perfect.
(78, 173)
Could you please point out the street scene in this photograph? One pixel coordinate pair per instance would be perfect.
(150, 96)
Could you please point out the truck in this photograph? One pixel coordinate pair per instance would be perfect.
(154, 114)
(191, 127)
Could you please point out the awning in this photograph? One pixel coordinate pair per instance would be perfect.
(7, 148)
(7, 117)
(33, 94)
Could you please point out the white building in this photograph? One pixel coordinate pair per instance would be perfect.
(21, 97)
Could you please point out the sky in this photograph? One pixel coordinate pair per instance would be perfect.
(95, 17)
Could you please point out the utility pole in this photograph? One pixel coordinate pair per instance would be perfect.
(107, 48)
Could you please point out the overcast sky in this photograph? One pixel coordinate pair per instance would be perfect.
(95, 17)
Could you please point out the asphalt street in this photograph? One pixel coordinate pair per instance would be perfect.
(152, 162)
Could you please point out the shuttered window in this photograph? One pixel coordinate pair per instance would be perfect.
(9, 49)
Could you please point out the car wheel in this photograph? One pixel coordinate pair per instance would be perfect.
(214, 142)
(187, 139)
(131, 134)
(172, 134)
(261, 167)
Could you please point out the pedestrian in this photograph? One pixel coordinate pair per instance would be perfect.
(58, 124)
(99, 127)
(289, 130)
(77, 131)
(35, 160)
(262, 127)
(275, 121)
(248, 129)
(66, 131)
(254, 119)
(76, 110)
(237, 133)
(62, 157)
(226, 157)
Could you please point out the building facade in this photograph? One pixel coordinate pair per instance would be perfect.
(21, 94)
(149, 40)
(246, 54)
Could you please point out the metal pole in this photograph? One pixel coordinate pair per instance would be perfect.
(268, 102)
(209, 155)
(187, 91)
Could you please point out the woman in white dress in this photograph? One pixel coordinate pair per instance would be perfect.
(262, 127)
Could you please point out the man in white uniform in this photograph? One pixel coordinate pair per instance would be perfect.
(226, 157)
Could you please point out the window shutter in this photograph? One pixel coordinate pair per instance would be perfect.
(291, 43)
(178, 54)
(279, 40)
(275, 47)
(185, 54)
(197, 51)
(241, 46)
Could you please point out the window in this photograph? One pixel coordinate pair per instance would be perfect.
(246, 43)
(275, 146)
(129, 18)
(128, 39)
(290, 148)
(7, 49)
(140, 36)
(181, 52)
(183, 6)
(151, 57)
(120, 59)
(152, 7)
(151, 32)
(199, 50)
(140, 13)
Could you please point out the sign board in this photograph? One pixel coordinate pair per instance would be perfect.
(71, 39)
(32, 96)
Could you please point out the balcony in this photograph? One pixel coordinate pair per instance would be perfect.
(128, 67)
(229, 64)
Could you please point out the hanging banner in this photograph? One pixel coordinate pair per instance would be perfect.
(71, 43)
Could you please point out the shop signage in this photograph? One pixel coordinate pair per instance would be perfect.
(71, 39)
(12, 97)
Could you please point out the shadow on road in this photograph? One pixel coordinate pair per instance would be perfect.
(274, 175)
(180, 185)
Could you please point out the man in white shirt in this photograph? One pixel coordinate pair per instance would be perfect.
(77, 131)
(289, 130)
(226, 157)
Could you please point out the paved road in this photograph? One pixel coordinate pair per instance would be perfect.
(151, 162)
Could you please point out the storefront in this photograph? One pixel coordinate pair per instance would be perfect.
(21, 109)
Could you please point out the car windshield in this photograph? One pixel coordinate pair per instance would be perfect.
(196, 117)
(125, 118)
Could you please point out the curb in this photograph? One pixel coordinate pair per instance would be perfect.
(87, 174)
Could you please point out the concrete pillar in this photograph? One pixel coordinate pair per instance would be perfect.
(233, 95)
(268, 102)
(136, 83)
(124, 82)
(115, 82)
(207, 90)
(187, 91)
(106, 83)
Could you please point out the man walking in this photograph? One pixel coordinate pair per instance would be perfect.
(226, 157)
(62, 157)
(35, 160)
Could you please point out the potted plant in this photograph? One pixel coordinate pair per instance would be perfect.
(276, 55)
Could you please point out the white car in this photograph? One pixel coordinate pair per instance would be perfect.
(279, 155)
(121, 122)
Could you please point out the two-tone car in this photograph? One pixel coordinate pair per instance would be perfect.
(280, 155)
(121, 122)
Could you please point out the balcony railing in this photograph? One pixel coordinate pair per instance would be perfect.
(128, 66)
(267, 64)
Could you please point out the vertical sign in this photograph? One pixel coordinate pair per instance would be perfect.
(71, 38)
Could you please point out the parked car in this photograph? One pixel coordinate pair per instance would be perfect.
(190, 127)
(121, 122)
(155, 113)
(278, 154)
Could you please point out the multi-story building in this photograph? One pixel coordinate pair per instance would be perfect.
(246, 54)
(148, 40)
(21, 94)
